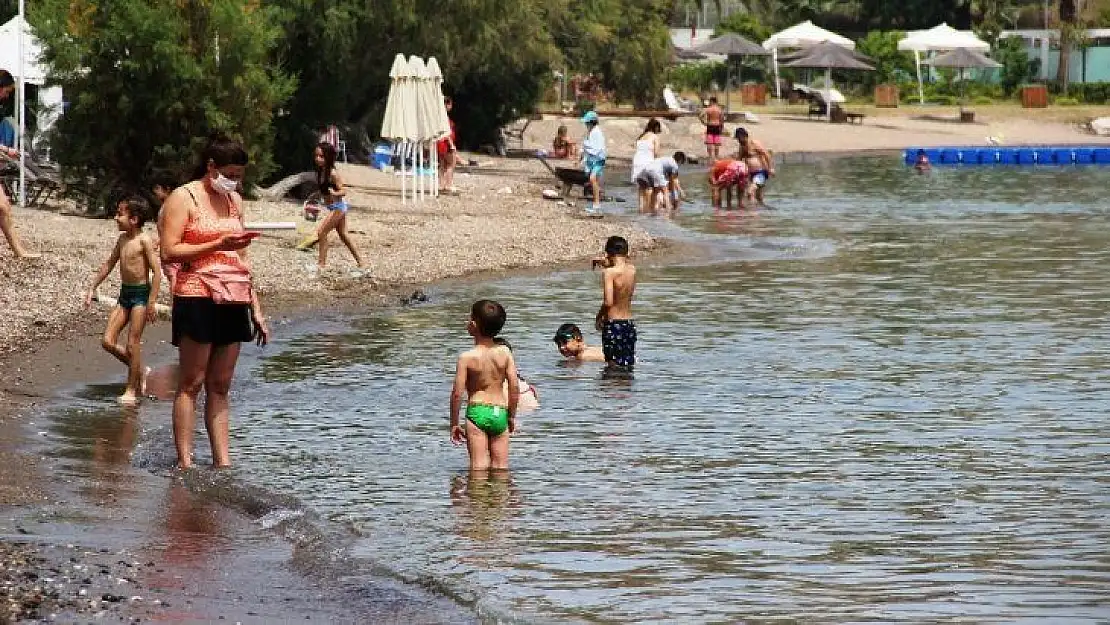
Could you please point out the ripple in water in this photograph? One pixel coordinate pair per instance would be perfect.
(890, 403)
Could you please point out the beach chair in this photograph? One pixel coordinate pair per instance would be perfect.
(41, 182)
(512, 136)
(676, 104)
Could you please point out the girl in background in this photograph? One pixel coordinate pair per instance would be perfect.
(331, 191)
(647, 150)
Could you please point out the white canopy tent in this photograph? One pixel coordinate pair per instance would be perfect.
(938, 38)
(20, 54)
(800, 36)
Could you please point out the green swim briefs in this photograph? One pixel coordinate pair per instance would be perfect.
(493, 420)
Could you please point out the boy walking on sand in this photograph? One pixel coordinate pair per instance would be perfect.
(140, 275)
(482, 374)
(614, 319)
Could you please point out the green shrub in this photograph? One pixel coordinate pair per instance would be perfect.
(981, 100)
(1066, 101)
(146, 86)
(944, 100)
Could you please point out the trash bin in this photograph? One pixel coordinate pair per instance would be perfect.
(1034, 96)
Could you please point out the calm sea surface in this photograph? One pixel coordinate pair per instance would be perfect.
(886, 398)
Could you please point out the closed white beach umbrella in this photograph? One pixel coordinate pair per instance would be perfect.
(801, 35)
(421, 126)
(399, 124)
(435, 85)
(393, 123)
(938, 38)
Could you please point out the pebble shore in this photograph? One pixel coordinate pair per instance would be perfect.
(498, 221)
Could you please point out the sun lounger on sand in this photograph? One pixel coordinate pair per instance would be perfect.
(41, 183)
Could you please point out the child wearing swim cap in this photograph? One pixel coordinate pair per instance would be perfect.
(571, 344)
(487, 376)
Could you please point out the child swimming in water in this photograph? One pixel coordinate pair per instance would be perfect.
(529, 396)
(140, 273)
(922, 163)
(569, 341)
(482, 374)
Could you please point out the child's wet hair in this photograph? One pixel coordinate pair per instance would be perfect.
(137, 208)
(616, 246)
(488, 316)
(567, 332)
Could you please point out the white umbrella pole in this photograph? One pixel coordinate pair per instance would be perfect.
(828, 93)
(435, 171)
(775, 60)
(920, 83)
(21, 106)
(404, 155)
(420, 170)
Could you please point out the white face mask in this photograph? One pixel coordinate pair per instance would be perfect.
(223, 184)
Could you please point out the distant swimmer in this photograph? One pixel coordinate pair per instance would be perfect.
(922, 164)
(571, 344)
(725, 175)
(487, 376)
(614, 318)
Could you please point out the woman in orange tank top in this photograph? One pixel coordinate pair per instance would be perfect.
(215, 307)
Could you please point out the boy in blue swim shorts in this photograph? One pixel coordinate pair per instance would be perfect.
(614, 319)
(141, 273)
(487, 376)
(594, 154)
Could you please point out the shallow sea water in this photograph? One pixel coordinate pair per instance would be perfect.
(885, 398)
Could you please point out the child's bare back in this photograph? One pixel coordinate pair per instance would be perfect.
(487, 375)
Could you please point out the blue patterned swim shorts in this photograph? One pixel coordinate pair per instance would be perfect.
(618, 341)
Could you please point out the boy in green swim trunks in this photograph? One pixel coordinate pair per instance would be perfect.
(481, 374)
(140, 273)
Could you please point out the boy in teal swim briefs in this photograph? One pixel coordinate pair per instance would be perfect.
(140, 273)
(487, 375)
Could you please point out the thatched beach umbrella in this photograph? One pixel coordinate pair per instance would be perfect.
(964, 58)
(830, 56)
(731, 46)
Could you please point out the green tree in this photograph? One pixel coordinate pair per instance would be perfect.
(746, 24)
(889, 61)
(147, 82)
(496, 56)
(1070, 33)
(1017, 67)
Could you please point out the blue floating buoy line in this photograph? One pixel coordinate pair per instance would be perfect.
(1044, 155)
